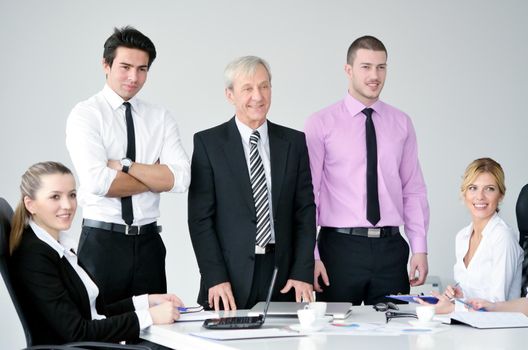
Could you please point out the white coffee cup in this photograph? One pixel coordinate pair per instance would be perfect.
(319, 307)
(425, 313)
(307, 317)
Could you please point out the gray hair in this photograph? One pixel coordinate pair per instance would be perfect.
(245, 65)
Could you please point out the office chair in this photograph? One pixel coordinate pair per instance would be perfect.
(521, 211)
(6, 215)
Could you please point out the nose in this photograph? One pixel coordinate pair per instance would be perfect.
(68, 202)
(374, 74)
(132, 75)
(257, 95)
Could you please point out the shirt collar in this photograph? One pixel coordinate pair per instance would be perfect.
(245, 132)
(47, 238)
(355, 107)
(488, 228)
(115, 100)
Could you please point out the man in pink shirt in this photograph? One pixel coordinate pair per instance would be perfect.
(367, 183)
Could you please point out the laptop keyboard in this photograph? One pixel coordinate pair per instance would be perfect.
(237, 322)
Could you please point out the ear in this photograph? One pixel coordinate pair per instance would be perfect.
(106, 66)
(29, 204)
(229, 95)
(348, 70)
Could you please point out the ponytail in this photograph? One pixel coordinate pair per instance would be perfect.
(20, 221)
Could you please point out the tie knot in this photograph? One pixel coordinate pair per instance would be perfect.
(368, 112)
(254, 138)
(126, 104)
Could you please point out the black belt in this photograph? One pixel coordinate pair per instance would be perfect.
(127, 230)
(370, 232)
(270, 247)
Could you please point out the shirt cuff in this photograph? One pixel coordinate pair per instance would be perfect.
(459, 307)
(316, 253)
(418, 244)
(181, 178)
(144, 318)
(140, 302)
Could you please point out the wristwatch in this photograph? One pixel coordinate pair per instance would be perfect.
(126, 163)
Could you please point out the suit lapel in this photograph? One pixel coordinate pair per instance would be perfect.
(236, 160)
(279, 149)
(77, 287)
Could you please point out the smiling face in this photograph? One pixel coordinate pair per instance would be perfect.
(251, 96)
(128, 72)
(55, 203)
(366, 75)
(482, 197)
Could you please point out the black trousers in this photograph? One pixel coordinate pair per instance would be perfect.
(363, 269)
(123, 266)
(264, 265)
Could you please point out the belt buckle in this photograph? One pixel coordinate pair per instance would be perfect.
(374, 232)
(132, 230)
(260, 250)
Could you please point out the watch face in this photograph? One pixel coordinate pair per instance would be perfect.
(126, 162)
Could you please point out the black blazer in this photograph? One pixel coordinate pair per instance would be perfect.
(55, 301)
(221, 210)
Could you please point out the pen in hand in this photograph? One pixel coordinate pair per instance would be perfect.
(452, 298)
(468, 305)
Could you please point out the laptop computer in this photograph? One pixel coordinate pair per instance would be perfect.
(243, 322)
(289, 309)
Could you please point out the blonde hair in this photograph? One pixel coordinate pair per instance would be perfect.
(480, 166)
(30, 184)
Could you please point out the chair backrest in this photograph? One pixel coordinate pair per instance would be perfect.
(521, 211)
(15, 333)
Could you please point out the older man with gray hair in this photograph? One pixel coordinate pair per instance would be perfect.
(251, 203)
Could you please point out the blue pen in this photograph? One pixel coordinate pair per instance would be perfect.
(469, 305)
(190, 309)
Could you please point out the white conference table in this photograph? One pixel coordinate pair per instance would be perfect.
(452, 337)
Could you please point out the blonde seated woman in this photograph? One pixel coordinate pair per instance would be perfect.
(58, 297)
(488, 255)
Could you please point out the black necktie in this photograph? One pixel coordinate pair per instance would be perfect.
(373, 211)
(127, 212)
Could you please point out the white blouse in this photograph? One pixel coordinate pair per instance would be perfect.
(140, 302)
(494, 272)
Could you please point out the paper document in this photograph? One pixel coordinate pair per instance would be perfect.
(491, 319)
(197, 316)
(236, 334)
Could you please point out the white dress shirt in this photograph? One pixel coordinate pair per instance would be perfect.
(140, 302)
(96, 133)
(494, 272)
(264, 151)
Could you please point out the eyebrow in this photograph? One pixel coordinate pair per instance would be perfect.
(131, 65)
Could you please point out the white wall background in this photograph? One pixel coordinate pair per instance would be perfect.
(458, 68)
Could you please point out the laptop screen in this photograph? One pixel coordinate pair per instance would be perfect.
(270, 291)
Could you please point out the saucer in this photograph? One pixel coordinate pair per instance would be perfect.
(314, 328)
(428, 324)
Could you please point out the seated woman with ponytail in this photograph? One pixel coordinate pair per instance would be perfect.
(58, 297)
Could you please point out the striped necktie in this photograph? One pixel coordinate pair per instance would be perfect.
(260, 191)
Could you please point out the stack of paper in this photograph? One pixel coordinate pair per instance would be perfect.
(491, 319)
(197, 316)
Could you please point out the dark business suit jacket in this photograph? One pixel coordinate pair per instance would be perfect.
(55, 301)
(221, 210)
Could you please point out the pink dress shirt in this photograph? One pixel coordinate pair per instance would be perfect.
(336, 145)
